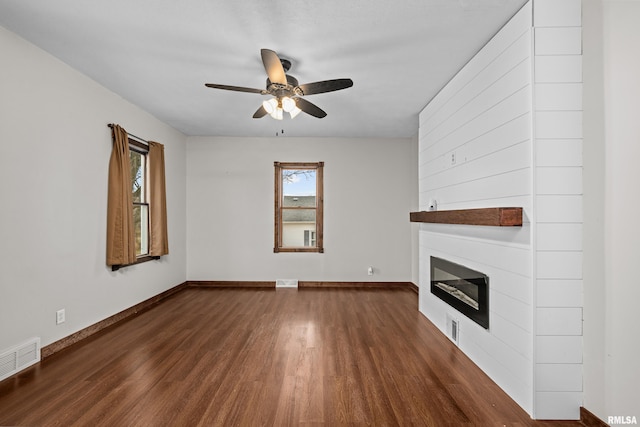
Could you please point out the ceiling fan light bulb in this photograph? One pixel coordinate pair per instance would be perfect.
(270, 105)
(288, 104)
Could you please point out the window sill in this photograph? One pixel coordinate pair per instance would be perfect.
(140, 260)
(311, 250)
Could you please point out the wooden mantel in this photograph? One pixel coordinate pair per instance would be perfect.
(500, 217)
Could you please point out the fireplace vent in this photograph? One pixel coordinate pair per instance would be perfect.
(453, 330)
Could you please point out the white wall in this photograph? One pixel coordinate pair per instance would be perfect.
(415, 227)
(594, 351)
(622, 204)
(369, 190)
(54, 155)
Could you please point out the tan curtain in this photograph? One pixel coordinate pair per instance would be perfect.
(158, 239)
(121, 248)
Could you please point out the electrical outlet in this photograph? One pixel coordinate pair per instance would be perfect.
(60, 316)
(453, 158)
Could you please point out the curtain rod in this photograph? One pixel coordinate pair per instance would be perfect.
(111, 125)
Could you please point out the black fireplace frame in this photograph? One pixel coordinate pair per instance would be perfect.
(481, 315)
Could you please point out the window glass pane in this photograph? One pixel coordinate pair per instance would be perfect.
(299, 201)
(298, 227)
(141, 228)
(300, 184)
(136, 160)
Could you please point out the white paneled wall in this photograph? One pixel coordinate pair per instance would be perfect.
(476, 151)
(558, 192)
(506, 131)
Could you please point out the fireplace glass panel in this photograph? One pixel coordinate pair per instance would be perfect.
(462, 288)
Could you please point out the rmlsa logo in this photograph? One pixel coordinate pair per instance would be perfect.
(620, 419)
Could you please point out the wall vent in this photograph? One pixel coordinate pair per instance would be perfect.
(286, 283)
(453, 329)
(19, 357)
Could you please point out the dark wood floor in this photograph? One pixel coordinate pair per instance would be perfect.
(264, 357)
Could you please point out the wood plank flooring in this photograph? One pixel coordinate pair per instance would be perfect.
(251, 357)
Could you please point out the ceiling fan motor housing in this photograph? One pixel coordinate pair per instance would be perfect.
(279, 90)
(286, 64)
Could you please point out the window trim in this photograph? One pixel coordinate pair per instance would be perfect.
(278, 192)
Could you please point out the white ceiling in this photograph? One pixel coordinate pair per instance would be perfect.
(158, 54)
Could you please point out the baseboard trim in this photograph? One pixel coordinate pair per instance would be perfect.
(230, 284)
(82, 334)
(387, 285)
(301, 284)
(589, 419)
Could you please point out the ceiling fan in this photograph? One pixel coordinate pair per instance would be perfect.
(287, 94)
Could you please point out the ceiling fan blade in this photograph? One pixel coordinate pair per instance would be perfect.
(260, 112)
(325, 86)
(310, 108)
(236, 88)
(273, 66)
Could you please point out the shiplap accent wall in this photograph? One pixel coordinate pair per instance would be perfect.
(475, 150)
(558, 203)
(506, 131)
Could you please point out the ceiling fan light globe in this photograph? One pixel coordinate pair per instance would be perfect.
(277, 114)
(270, 105)
(288, 104)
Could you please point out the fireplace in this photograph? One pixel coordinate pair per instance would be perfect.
(464, 289)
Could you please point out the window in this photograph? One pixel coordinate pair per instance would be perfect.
(309, 237)
(136, 201)
(138, 155)
(298, 207)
